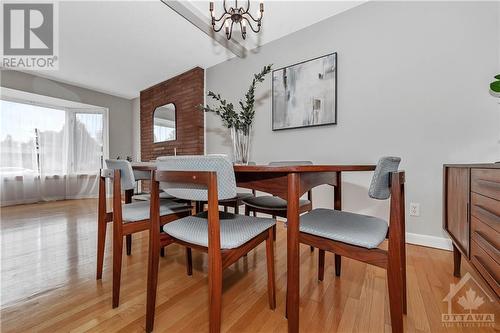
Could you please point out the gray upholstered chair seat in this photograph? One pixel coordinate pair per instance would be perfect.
(239, 196)
(235, 230)
(139, 210)
(270, 202)
(147, 196)
(355, 229)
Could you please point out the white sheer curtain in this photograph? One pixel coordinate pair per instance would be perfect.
(49, 153)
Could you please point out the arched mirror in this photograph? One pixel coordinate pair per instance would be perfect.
(164, 123)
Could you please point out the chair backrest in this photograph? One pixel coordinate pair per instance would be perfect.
(226, 181)
(290, 163)
(126, 173)
(380, 185)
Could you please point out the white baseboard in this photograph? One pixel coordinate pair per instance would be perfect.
(430, 241)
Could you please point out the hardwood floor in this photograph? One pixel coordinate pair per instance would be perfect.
(48, 284)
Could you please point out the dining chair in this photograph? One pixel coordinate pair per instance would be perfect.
(276, 206)
(127, 218)
(226, 237)
(140, 175)
(145, 196)
(273, 205)
(234, 203)
(131, 196)
(358, 236)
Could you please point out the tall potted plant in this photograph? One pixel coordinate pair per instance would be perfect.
(238, 122)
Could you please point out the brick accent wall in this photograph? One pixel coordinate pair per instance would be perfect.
(186, 92)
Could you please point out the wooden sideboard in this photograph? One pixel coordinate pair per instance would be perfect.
(471, 216)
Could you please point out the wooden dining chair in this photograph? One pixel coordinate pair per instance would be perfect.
(273, 205)
(140, 175)
(127, 218)
(233, 203)
(276, 206)
(358, 236)
(224, 236)
(133, 195)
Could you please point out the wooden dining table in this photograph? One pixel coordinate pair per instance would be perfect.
(289, 183)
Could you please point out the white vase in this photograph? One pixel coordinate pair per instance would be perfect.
(241, 145)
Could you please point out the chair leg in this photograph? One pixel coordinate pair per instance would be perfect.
(189, 261)
(129, 244)
(395, 286)
(117, 268)
(236, 208)
(338, 264)
(321, 264)
(312, 248)
(247, 213)
(215, 294)
(162, 252)
(152, 285)
(271, 290)
(101, 241)
(225, 209)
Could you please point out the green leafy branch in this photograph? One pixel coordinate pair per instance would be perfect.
(240, 120)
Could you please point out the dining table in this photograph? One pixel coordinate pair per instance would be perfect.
(289, 183)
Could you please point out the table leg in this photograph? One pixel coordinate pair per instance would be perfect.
(337, 205)
(293, 260)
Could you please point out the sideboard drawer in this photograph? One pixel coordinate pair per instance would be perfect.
(489, 269)
(486, 182)
(487, 210)
(487, 238)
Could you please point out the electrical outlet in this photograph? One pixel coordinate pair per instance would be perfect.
(414, 209)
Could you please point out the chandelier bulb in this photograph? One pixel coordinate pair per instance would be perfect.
(239, 15)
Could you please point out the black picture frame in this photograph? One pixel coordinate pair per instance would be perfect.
(334, 91)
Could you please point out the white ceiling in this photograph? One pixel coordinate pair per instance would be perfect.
(122, 48)
(281, 17)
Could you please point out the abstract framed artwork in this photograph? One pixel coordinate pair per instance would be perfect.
(305, 94)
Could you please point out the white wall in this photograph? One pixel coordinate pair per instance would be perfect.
(136, 129)
(412, 81)
(120, 109)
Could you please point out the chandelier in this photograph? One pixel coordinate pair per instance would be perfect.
(236, 15)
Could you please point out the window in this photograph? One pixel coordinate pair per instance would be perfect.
(89, 133)
(50, 152)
